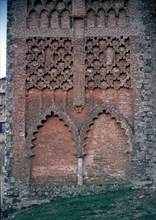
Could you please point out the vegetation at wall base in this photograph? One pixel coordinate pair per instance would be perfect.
(123, 204)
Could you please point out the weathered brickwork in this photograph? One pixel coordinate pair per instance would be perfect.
(54, 159)
(49, 14)
(80, 98)
(153, 55)
(2, 119)
(49, 63)
(107, 152)
(2, 132)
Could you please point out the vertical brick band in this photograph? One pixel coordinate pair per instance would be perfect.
(78, 55)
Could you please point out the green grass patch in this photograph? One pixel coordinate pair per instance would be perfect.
(113, 205)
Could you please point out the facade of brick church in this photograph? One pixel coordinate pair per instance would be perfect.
(80, 97)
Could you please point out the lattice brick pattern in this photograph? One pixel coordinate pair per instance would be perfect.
(107, 62)
(49, 63)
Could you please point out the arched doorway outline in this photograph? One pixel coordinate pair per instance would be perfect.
(41, 118)
(115, 113)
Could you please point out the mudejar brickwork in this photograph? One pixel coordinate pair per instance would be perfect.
(80, 97)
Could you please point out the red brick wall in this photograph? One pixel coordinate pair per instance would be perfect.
(54, 159)
(106, 149)
(105, 136)
(122, 99)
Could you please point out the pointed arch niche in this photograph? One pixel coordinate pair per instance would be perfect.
(53, 161)
(107, 150)
(91, 18)
(33, 19)
(44, 22)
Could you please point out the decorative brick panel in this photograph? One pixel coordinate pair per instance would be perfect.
(49, 63)
(49, 14)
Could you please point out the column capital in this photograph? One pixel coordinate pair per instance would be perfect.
(80, 154)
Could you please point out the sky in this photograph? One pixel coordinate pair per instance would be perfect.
(3, 24)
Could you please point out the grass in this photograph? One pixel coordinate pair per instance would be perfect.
(123, 204)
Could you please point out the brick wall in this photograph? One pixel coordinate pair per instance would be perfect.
(80, 108)
(2, 132)
(107, 150)
(2, 119)
(54, 159)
